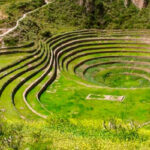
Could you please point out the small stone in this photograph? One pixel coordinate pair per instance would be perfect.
(2, 110)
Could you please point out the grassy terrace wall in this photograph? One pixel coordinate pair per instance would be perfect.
(75, 80)
(77, 54)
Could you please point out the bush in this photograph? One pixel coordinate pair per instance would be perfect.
(46, 34)
(11, 41)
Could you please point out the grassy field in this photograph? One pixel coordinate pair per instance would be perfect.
(84, 86)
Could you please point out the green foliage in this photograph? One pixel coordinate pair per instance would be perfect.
(67, 12)
(13, 10)
(29, 29)
(60, 14)
(10, 41)
(59, 132)
(46, 34)
(24, 6)
(113, 15)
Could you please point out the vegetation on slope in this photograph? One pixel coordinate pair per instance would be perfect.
(61, 133)
(11, 10)
(67, 15)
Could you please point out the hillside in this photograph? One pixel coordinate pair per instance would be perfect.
(103, 15)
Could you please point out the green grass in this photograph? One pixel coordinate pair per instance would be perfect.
(54, 135)
(6, 60)
(63, 101)
(74, 102)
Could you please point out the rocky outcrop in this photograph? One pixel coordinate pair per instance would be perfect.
(126, 3)
(81, 2)
(88, 4)
(138, 3)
